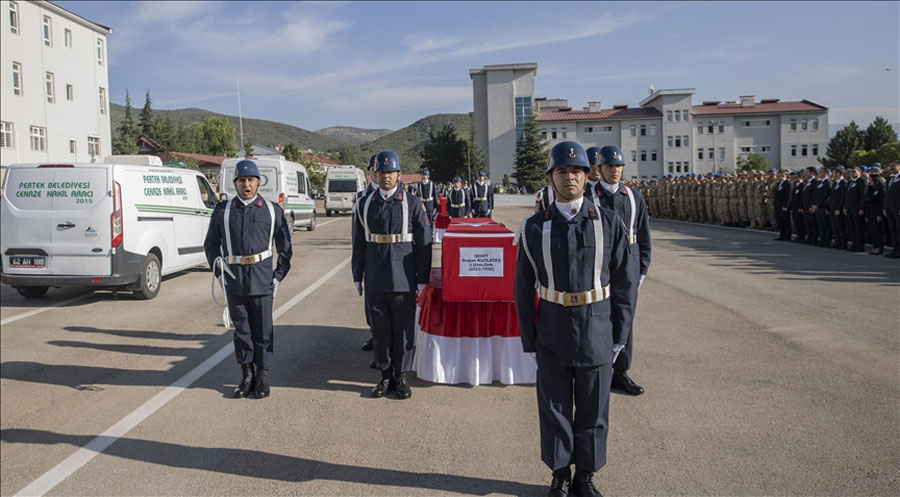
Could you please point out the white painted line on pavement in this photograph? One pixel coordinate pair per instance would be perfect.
(326, 222)
(82, 456)
(44, 309)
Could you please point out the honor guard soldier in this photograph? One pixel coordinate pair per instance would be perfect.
(575, 257)
(371, 187)
(631, 208)
(594, 176)
(242, 234)
(427, 192)
(458, 202)
(482, 197)
(392, 257)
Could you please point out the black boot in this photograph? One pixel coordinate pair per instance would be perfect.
(402, 387)
(246, 385)
(622, 383)
(385, 384)
(262, 383)
(583, 485)
(559, 485)
(367, 346)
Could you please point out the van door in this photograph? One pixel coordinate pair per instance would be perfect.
(25, 210)
(292, 195)
(305, 203)
(187, 211)
(81, 206)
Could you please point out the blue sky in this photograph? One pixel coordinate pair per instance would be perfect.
(385, 65)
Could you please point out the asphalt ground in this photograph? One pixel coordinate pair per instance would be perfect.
(771, 368)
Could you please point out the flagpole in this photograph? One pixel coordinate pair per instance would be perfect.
(240, 115)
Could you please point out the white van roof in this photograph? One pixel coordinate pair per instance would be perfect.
(136, 160)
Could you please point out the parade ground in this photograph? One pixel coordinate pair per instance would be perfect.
(770, 368)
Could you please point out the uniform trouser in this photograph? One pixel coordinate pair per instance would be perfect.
(824, 225)
(856, 229)
(480, 208)
(893, 222)
(253, 331)
(877, 231)
(393, 317)
(799, 225)
(783, 219)
(573, 435)
(809, 226)
(840, 229)
(623, 362)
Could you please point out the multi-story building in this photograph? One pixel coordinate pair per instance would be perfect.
(665, 134)
(54, 85)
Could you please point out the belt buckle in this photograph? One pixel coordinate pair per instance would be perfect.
(382, 238)
(574, 299)
(247, 259)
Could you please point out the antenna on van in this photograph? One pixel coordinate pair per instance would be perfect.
(240, 116)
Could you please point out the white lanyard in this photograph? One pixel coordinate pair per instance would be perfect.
(631, 238)
(227, 248)
(548, 263)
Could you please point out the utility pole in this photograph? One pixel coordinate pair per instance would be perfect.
(240, 116)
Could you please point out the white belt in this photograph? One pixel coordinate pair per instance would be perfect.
(429, 199)
(632, 239)
(573, 299)
(481, 198)
(393, 238)
(248, 259)
(457, 206)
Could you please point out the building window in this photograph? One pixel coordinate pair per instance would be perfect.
(552, 133)
(721, 153)
(68, 37)
(804, 125)
(588, 129)
(544, 135)
(671, 166)
(564, 132)
(746, 124)
(721, 128)
(687, 166)
(765, 148)
(669, 115)
(678, 116)
(678, 167)
(17, 78)
(100, 60)
(606, 129)
(634, 156)
(643, 130)
(684, 116)
(48, 32)
(14, 18)
(523, 104)
(102, 100)
(73, 146)
(710, 153)
(6, 134)
(815, 150)
(677, 142)
(699, 154)
(700, 129)
(768, 122)
(793, 150)
(51, 90)
(815, 125)
(793, 125)
(38, 138)
(652, 130)
(746, 150)
(653, 155)
(669, 141)
(93, 146)
(804, 150)
(643, 156)
(70, 92)
(684, 140)
(633, 130)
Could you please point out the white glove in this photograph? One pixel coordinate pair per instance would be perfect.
(274, 286)
(616, 349)
(534, 355)
(419, 288)
(641, 281)
(358, 287)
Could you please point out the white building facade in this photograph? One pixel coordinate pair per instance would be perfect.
(54, 85)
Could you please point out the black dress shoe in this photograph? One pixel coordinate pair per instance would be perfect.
(373, 364)
(559, 485)
(367, 346)
(583, 485)
(262, 383)
(247, 383)
(402, 387)
(384, 385)
(624, 384)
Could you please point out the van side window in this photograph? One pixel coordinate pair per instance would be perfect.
(206, 193)
(301, 182)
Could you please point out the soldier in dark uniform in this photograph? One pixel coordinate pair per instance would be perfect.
(371, 187)
(242, 234)
(392, 255)
(575, 257)
(795, 204)
(594, 176)
(820, 207)
(427, 192)
(631, 208)
(836, 208)
(458, 202)
(780, 204)
(482, 197)
(854, 209)
(810, 229)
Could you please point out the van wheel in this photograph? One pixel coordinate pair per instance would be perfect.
(151, 278)
(292, 226)
(327, 213)
(32, 292)
(312, 223)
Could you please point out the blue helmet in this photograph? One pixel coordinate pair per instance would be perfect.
(612, 155)
(246, 168)
(567, 153)
(387, 162)
(773, 170)
(840, 167)
(456, 179)
(426, 172)
(371, 162)
(480, 173)
(593, 154)
(864, 167)
(875, 165)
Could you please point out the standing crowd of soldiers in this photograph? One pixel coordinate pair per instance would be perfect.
(841, 208)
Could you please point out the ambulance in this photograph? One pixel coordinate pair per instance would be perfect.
(123, 223)
(341, 185)
(281, 181)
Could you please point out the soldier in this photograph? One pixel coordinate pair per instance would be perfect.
(392, 255)
(482, 197)
(629, 205)
(892, 208)
(427, 194)
(820, 207)
(836, 208)
(239, 242)
(795, 204)
(371, 187)
(780, 202)
(774, 179)
(458, 202)
(586, 289)
(854, 209)
(806, 199)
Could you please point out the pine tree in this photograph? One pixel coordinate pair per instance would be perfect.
(291, 152)
(444, 154)
(145, 121)
(476, 157)
(878, 133)
(841, 147)
(531, 158)
(126, 140)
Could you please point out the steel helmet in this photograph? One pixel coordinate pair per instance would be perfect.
(246, 168)
(456, 179)
(567, 153)
(612, 155)
(371, 162)
(426, 172)
(593, 154)
(387, 162)
(480, 173)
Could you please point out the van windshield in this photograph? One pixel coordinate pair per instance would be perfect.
(342, 186)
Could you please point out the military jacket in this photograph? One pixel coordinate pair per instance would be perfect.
(458, 197)
(620, 204)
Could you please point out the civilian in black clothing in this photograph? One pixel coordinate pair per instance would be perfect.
(874, 215)
(836, 208)
(795, 204)
(892, 208)
(820, 207)
(806, 200)
(854, 209)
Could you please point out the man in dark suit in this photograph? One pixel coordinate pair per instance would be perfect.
(836, 207)
(810, 183)
(892, 209)
(820, 207)
(795, 204)
(854, 209)
(585, 289)
(780, 204)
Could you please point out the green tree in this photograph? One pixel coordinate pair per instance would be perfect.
(182, 138)
(161, 132)
(348, 155)
(145, 120)
(476, 155)
(862, 158)
(217, 137)
(887, 153)
(126, 140)
(878, 133)
(753, 162)
(248, 147)
(291, 152)
(444, 154)
(841, 147)
(531, 158)
(506, 181)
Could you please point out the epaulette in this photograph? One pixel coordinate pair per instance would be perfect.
(259, 202)
(593, 213)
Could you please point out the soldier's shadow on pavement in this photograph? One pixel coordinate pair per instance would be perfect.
(256, 464)
(760, 254)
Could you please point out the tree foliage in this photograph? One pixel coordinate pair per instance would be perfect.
(248, 147)
(476, 157)
(218, 137)
(145, 120)
(841, 147)
(753, 162)
(444, 154)
(531, 158)
(349, 155)
(126, 140)
(878, 133)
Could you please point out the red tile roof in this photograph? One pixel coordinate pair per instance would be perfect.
(320, 160)
(759, 108)
(210, 159)
(586, 115)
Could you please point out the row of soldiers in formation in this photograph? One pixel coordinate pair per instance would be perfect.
(839, 208)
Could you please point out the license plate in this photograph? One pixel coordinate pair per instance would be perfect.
(27, 261)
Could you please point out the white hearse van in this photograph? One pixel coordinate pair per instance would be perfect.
(341, 185)
(281, 181)
(122, 223)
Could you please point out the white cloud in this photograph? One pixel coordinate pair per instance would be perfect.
(148, 12)
(402, 98)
